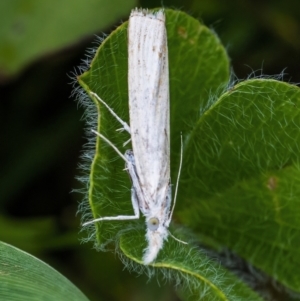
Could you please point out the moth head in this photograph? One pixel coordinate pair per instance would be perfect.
(153, 223)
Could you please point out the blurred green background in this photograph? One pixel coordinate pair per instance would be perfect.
(42, 137)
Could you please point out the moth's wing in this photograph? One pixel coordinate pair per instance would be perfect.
(148, 81)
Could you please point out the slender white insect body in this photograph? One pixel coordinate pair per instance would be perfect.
(149, 163)
(148, 80)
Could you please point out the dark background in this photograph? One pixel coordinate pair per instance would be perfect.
(42, 138)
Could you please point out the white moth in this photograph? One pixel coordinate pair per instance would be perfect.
(148, 164)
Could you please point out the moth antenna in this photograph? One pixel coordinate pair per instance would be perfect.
(181, 241)
(177, 181)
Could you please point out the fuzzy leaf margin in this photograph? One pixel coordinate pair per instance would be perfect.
(197, 277)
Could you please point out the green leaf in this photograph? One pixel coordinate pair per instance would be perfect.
(198, 66)
(240, 177)
(199, 277)
(240, 184)
(24, 277)
(30, 29)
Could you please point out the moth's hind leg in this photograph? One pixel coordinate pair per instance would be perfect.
(135, 190)
(135, 206)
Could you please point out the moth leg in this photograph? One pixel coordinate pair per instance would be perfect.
(125, 143)
(134, 198)
(136, 210)
(139, 194)
(135, 206)
(124, 124)
(111, 144)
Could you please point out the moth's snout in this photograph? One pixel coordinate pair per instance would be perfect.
(153, 223)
